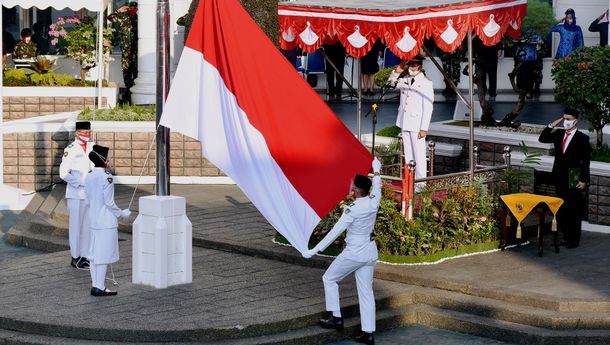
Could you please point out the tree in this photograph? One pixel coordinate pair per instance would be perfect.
(581, 81)
(264, 13)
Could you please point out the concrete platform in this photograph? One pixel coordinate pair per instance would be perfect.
(248, 290)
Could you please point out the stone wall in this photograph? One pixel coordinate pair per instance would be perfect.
(20, 107)
(31, 160)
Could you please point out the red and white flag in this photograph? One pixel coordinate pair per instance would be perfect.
(260, 122)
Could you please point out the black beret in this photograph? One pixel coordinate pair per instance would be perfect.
(362, 182)
(98, 155)
(83, 125)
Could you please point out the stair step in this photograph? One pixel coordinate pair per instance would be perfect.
(517, 313)
(39, 241)
(504, 330)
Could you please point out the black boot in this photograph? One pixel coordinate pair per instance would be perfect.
(332, 323)
(366, 338)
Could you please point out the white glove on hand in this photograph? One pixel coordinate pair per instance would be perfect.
(125, 213)
(376, 165)
(308, 254)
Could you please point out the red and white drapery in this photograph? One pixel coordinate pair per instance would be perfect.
(402, 31)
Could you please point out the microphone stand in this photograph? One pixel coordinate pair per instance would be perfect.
(374, 108)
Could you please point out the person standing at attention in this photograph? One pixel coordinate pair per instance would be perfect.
(73, 169)
(103, 212)
(570, 172)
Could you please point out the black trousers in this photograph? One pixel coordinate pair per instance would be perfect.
(571, 213)
(490, 71)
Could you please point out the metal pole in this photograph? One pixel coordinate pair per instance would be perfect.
(1, 116)
(100, 57)
(359, 104)
(431, 152)
(163, 46)
(471, 116)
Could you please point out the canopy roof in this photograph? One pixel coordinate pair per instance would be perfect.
(91, 5)
(402, 25)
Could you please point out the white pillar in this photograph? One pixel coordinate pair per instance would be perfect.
(145, 88)
(162, 243)
(178, 9)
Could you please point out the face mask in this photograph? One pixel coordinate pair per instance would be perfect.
(568, 124)
(27, 39)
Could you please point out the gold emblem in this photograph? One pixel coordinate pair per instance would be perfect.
(519, 207)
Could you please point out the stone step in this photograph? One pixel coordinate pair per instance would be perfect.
(515, 333)
(176, 334)
(507, 311)
(526, 299)
(416, 314)
(39, 241)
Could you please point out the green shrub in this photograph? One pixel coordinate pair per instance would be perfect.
(15, 77)
(120, 113)
(601, 154)
(29, 77)
(445, 218)
(392, 131)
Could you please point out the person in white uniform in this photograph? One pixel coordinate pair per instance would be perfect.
(414, 111)
(359, 255)
(75, 165)
(103, 214)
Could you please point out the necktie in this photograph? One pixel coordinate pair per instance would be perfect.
(565, 141)
(412, 81)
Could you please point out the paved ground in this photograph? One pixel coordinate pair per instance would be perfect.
(235, 292)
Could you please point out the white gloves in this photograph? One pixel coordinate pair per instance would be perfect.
(125, 213)
(376, 165)
(308, 254)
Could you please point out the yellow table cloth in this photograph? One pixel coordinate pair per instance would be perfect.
(521, 204)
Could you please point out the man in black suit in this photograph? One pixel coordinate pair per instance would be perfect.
(570, 172)
(600, 24)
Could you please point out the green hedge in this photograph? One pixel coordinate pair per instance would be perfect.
(27, 77)
(120, 113)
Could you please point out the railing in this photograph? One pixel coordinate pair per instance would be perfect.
(408, 175)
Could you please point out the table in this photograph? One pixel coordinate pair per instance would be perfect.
(522, 204)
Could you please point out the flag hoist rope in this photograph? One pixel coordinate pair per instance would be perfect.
(143, 166)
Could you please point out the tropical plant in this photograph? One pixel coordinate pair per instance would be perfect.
(581, 81)
(524, 176)
(80, 42)
(29, 77)
(42, 65)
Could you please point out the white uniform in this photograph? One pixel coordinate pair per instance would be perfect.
(103, 214)
(359, 255)
(414, 115)
(73, 169)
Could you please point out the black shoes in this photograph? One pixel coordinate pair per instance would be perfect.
(97, 292)
(366, 338)
(332, 323)
(79, 262)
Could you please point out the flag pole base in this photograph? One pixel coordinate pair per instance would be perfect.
(162, 243)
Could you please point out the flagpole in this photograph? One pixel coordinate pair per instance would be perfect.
(359, 104)
(163, 45)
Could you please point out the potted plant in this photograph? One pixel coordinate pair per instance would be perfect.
(80, 42)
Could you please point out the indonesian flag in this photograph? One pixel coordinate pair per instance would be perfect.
(260, 122)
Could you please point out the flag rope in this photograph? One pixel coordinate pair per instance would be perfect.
(144, 166)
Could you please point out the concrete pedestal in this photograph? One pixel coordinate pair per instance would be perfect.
(162, 243)
(13, 198)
